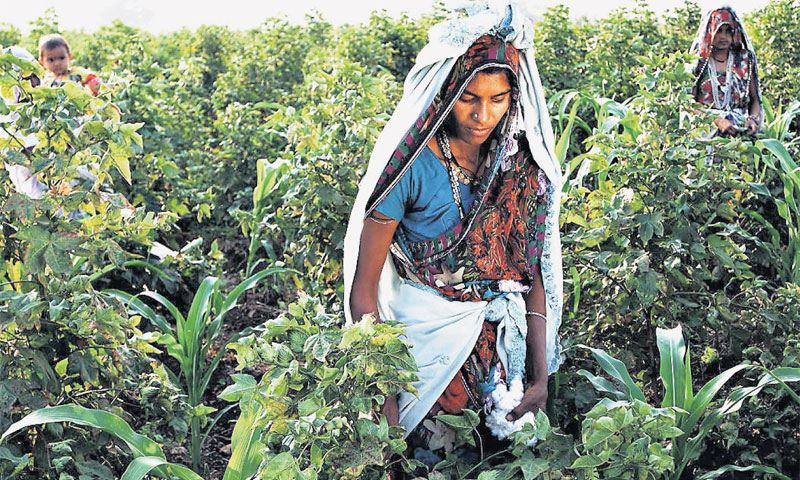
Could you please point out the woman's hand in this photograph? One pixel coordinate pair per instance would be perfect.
(726, 126)
(751, 126)
(533, 400)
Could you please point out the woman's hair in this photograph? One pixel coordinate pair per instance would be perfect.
(496, 70)
(51, 41)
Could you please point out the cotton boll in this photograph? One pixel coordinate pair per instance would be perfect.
(505, 400)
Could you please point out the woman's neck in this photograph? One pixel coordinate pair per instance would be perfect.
(720, 55)
(466, 154)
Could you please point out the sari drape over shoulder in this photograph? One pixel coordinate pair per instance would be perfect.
(443, 288)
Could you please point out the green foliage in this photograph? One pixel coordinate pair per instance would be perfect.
(9, 35)
(327, 142)
(385, 44)
(147, 453)
(653, 233)
(60, 339)
(627, 439)
(681, 406)
(312, 413)
(284, 116)
(613, 48)
(191, 340)
(772, 28)
(560, 51)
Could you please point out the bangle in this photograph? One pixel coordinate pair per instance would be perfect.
(381, 221)
(537, 314)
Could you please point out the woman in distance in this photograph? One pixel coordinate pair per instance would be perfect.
(726, 74)
(454, 232)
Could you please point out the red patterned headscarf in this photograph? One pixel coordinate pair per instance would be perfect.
(718, 18)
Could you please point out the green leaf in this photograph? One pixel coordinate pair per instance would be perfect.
(316, 455)
(599, 431)
(245, 444)
(61, 367)
(242, 383)
(751, 468)
(587, 461)
(465, 421)
(602, 385)
(141, 466)
(618, 370)
(759, 188)
(705, 396)
(489, 475)
(276, 465)
(5, 454)
(308, 406)
(108, 422)
(120, 154)
(672, 349)
(34, 234)
(58, 261)
(781, 375)
(533, 467)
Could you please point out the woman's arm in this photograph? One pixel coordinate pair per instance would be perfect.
(376, 237)
(375, 240)
(535, 396)
(752, 124)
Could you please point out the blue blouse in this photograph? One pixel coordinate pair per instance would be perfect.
(423, 200)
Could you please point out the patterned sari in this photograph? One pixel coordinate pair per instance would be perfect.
(492, 251)
(444, 289)
(497, 245)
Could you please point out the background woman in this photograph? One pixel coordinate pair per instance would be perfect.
(454, 232)
(726, 74)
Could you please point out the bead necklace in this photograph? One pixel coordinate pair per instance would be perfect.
(455, 172)
(721, 102)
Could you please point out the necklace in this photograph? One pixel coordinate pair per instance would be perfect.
(456, 172)
(721, 101)
(464, 175)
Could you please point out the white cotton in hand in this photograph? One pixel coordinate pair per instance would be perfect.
(505, 400)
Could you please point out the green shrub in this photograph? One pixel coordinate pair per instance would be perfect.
(312, 413)
(60, 339)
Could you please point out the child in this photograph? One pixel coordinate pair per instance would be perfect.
(55, 55)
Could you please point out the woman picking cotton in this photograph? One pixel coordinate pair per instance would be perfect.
(726, 74)
(454, 232)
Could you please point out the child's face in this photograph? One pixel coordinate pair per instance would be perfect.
(56, 60)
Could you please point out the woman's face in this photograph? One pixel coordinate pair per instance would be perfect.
(723, 38)
(481, 107)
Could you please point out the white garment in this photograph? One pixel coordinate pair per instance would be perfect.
(441, 344)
